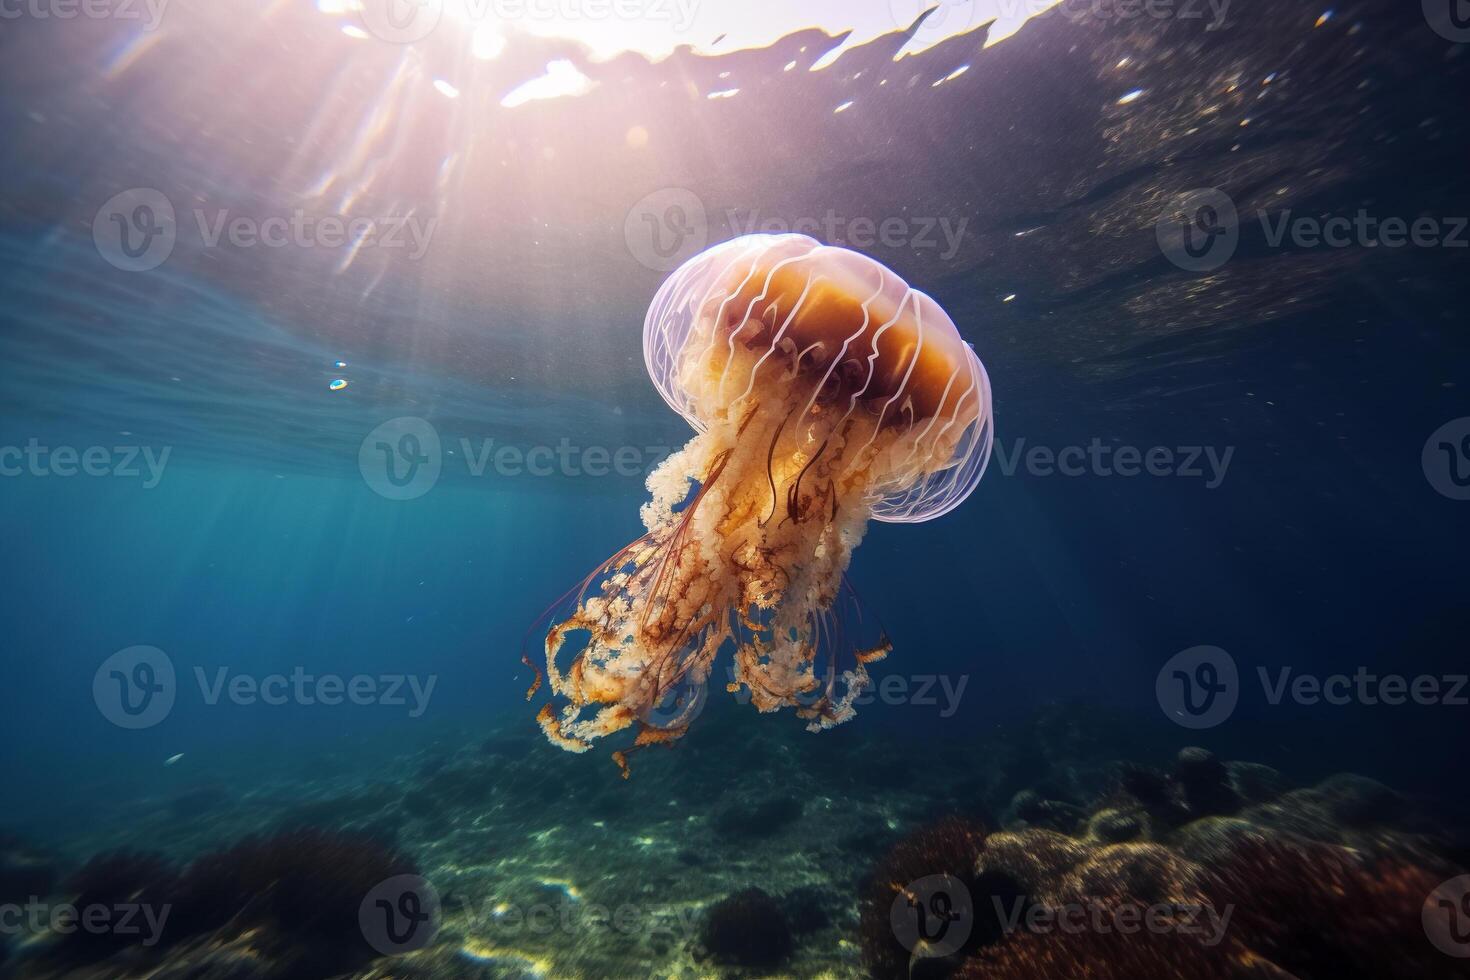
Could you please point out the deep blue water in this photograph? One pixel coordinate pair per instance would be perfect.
(261, 547)
(1322, 548)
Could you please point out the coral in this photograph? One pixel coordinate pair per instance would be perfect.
(1037, 860)
(1205, 783)
(297, 892)
(809, 908)
(1153, 792)
(211, 960)
(1319, 910)
(1115, 882)
(1357, 801)
(1114, 826)
(1254, 783)
(951, 848)
(747, 929)
(1142, 872)
(1115, 956)
(1234, 894)
(1030, 809)
(110, 880)
(25, 872)
(1329, 810)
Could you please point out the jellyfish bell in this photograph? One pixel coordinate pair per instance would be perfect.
(850, 327)
(824, 392)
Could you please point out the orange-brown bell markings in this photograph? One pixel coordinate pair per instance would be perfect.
(829, 310)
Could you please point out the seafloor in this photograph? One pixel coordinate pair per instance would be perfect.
(754, 849)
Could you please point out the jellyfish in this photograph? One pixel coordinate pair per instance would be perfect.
(824, 393)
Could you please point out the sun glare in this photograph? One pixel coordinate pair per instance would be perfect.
(656, 28)
(561, 78)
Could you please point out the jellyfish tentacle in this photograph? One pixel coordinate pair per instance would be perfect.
(793, 495)
(684, 521)
(770, 463)
(716, 569)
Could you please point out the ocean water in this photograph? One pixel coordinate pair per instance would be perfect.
(283, 503)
